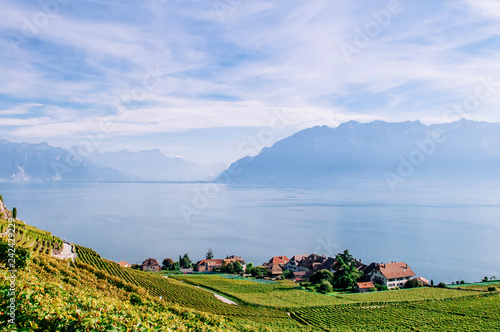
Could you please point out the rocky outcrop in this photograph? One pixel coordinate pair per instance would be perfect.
(4, 212)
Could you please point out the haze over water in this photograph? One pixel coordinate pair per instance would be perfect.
(445, 235)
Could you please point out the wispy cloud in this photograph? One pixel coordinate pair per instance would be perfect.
(69, 69)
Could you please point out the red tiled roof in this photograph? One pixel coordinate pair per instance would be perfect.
(211, 262)
(364, 285)
(277, 260)
(395, 270)
(150, 262)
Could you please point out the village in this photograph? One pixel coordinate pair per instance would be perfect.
(299, 268)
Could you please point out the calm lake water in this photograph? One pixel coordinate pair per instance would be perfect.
(445, 235)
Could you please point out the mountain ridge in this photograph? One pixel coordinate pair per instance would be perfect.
(373, 153)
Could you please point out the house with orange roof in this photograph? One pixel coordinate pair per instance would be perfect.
(363, 287)
(124, 264)
(392, 275)
(278, 260)
(276, 265)
(208, 265)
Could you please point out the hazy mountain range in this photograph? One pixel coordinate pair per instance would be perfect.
(376, 152)
(24, 162)
(151, 165)
(368, 153)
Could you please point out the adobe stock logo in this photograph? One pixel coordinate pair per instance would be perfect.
(49, 10)
(363, 36)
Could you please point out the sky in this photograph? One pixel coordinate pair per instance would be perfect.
(212, 81)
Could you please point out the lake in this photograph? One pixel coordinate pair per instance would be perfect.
(443, 234)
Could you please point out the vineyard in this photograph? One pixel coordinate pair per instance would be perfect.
(53, 296)
(281, 294)
(39, 241)
(96, 294)
(483, 286)
(474, 313)
(180, 293)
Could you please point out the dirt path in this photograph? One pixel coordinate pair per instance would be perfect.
(67, 252)
(218, 297)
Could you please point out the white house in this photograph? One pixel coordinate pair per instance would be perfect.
(394, 274)
(294, 264)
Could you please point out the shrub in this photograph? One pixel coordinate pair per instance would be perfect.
(373, 289)
(288, 274)
(325, 287)
(135, 299)
(442, 285)
(492, 289)
(413, 283)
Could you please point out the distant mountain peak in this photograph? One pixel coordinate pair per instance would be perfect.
(368, 151)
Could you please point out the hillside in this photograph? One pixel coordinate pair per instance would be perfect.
(376, 152)
(24, 162)
(95, 294)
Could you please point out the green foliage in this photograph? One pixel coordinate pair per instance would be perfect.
(412, 283)
(287, 274)
(238, 268)
(492, 289)
(168, 264)
(135, 299)
(185, 262)
(210, 254)
(14, 257)
(442, 285)
(319, 276)
(14, 213)
(325, 287)
(258, 271)
(228, 267)
(347, 275)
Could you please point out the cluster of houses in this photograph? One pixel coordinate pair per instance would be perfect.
(208, 265)
(391, 274)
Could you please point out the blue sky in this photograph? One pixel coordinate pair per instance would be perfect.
(206, 79)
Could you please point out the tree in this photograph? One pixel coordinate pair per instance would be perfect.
(210, 254)
(347, 275)
(14, 213)
(325, 287)
(185, 261)
(238, 268)
(168, 264)
(319, 276)
(228, 267)
(442, 285)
